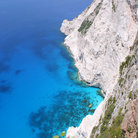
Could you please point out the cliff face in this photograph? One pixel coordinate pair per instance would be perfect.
(120, 117)
(99, 40)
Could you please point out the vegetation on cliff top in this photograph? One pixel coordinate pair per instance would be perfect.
(85, 26)
(89, 20)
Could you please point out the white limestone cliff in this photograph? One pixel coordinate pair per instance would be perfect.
(99, 39)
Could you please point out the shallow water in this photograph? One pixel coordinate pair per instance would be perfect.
(40, 95)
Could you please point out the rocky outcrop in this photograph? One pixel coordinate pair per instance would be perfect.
(99, 40)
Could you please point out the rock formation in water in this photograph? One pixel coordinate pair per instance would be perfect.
(103, 40)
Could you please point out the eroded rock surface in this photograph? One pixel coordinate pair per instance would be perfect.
(99, 40)
(130, 122)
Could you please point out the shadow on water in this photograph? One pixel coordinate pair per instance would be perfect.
(72, 67)
(52, 67)
(4, 67)
(18, 71)
(74, 77)
(43, 48)
(65, 54)
(3, 81)
(5, 88)
(68, 110)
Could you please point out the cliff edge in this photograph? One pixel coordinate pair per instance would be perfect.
(100, 40)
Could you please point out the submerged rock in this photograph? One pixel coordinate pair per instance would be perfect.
(45, 121)
(62, 134)
(92, 110)
(84, 101)
(90, 105)
(56, 136)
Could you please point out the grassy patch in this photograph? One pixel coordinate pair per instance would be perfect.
(89, 20)
(120, 81)
(126, 63)
(85, 26)
(114, 131)
(108, 114)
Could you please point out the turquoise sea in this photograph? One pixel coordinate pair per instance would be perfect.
(40, 95)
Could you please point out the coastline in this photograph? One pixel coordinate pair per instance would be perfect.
(79, 46)
(78, 73)
(88, 121)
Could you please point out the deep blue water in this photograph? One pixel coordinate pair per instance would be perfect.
(40, 95)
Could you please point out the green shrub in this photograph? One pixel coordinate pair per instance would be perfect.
(131, 48)
(121, 67)
(133, 56)
(120, 81)
(85, 26)
(126, 63)
(128, 59)
(136, 42)
(115, 129)
(121, 85)
(114, 100)
(110, 100)
(108, 114)
(113, 6)
(129, 129)
(87, 22)
(130, 94)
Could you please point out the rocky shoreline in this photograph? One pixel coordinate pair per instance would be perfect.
(99, 40)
